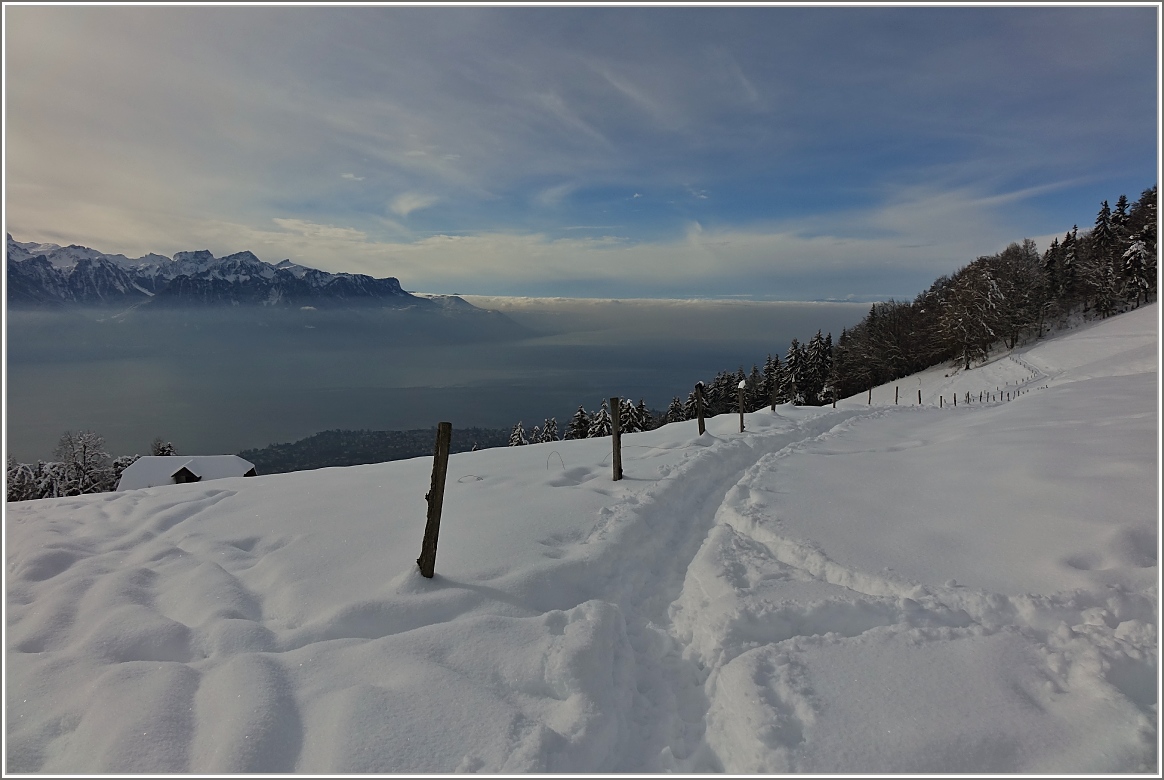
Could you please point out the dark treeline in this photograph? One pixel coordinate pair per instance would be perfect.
(996, 301)
(354, 448)
(1004, 299)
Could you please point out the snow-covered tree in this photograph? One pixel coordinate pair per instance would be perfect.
(1119, 215)
(644, 419)
(794, 372)
(517, 437)
(1139, 266)
(970, 319)
(675, 411)
(161, 447)
(1069, 267)
(755, 392)
(690, 407)
(627, 420)
(549, 430)
(20, 481)
(772, 371)
(51, 480)
(579, 426)
(86, 463)
(600, 423)
(118, 467)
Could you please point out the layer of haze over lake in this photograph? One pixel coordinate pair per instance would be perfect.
(224, 380)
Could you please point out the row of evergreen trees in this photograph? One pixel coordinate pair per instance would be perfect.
(803, 377)
(82, 466)
(998, 299)
(586, 425)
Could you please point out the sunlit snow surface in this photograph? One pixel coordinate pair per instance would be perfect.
(885, 588)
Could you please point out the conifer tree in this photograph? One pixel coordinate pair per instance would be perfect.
(549, 430)
(690, 412)
(579, 427)
(1069, 269)
(600, 423)
(1119, 215)
(627, 419)
(771, 377)
(1138, 267)
(675, 412)
(643, 417)
(756, 398)
(161, 447)
(794, 372)
(517, 437)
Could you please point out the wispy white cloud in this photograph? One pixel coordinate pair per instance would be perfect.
(324, 232)
(553, 196)
(922, 143)
(411, 201)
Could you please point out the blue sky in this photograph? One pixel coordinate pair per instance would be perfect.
(773, 152)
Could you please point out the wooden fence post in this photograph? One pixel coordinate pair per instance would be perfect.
(616, 436)
(870, 402)
(740, 401)
(896, 393)
(436, 499)
(699, 406)
(941, 401)
(919, 397)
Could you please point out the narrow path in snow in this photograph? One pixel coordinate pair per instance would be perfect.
(661, 533)
(757, 600)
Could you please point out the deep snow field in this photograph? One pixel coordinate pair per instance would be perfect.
(867, 589)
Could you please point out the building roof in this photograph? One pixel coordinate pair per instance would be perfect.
(154, 470)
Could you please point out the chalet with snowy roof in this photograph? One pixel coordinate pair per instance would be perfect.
(154, 470)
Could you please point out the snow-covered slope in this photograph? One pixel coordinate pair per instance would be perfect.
(884, 588)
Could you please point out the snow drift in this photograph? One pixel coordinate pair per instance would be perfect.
(871, 588)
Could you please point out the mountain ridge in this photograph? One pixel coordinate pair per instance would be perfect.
(48, 275)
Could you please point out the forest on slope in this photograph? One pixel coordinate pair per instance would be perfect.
(995, 301)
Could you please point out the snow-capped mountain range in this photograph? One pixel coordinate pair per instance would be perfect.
(50, 275)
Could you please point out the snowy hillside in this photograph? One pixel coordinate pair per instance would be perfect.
(884, 588)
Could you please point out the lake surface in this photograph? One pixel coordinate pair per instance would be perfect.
(226, 380)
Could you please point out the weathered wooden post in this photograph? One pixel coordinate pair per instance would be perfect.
(699, 406)
(870, 402)
(941, 400)
(616, 436)
(896, 393)
(740, 402)
(436, 499)
(919, 397)
(955, 399)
